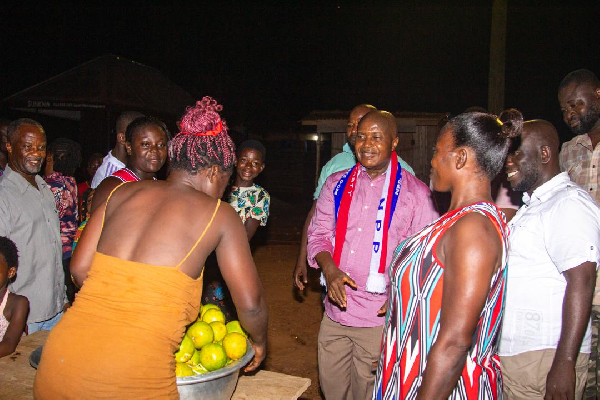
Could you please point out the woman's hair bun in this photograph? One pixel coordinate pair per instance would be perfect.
(203, 117)
(512, 123)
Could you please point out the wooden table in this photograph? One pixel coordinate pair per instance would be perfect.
(16, 377)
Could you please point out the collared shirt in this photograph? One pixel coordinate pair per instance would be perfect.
(414, 210)
(64, 189)
(110, 164)
(341, 162)
(29, 218)
(581, 161)
(557, 228)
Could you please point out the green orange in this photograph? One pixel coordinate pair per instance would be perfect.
(219, 330)
(201, 334)
(182, 369)
(212, 315)
(186, 350)
(206, 307)
(195, 360)
(213, 357)
(235, 345)
(235, 326)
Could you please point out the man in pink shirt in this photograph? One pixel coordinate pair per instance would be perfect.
(361, 216)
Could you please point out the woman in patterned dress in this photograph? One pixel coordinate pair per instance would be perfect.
(447, 281)
(62, 159)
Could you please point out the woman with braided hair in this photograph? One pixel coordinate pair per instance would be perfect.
(140, 262)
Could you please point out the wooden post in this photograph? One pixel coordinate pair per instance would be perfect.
(497, 57)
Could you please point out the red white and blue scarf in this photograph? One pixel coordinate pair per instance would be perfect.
(342, 194)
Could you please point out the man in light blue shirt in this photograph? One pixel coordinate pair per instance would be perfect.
(339, 162)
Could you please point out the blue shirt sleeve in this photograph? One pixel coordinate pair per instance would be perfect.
(405, 166)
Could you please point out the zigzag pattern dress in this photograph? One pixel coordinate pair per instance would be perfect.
(413, 318)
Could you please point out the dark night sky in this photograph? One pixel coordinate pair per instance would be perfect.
(272, 63)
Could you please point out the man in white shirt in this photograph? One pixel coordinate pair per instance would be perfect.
(554, 251)
(117, 157)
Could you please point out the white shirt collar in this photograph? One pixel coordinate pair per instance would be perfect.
(545, 191)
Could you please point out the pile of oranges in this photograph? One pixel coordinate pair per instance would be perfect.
(209, 344)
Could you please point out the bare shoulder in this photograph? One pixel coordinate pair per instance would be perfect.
(103, 191)
(16, 303)
(228, 215)
(201, 205)
(18, 299)
(473, 237)
(475, 229)
(107, 184)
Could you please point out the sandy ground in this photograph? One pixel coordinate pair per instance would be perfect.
(294, 317)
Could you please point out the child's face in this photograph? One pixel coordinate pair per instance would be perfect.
(249, 165)
(6, 272)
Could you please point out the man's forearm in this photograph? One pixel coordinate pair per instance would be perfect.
(325, 261)
(576, 309)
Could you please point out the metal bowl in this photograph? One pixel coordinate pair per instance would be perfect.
(35, 357)
(216, 385)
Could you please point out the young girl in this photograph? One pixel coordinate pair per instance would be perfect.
(13, 308)
(251, 202)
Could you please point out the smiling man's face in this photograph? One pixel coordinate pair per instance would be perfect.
(375, 142)
(27, 150)
(580, 107)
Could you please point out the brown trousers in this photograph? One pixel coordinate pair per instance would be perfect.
(524, 375)
(346, 357)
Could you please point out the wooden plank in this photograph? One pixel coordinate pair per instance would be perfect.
(16, 378)
(268, 385)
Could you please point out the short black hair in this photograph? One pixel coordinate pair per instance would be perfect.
(14, 126)
(580, 77)
(254, 145)
(66, 155)
(141, 122)
(125, 118)
(8, 249)
(95, 156)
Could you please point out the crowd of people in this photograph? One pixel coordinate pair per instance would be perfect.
(143, 274)
(483, 300)
(480, 298)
